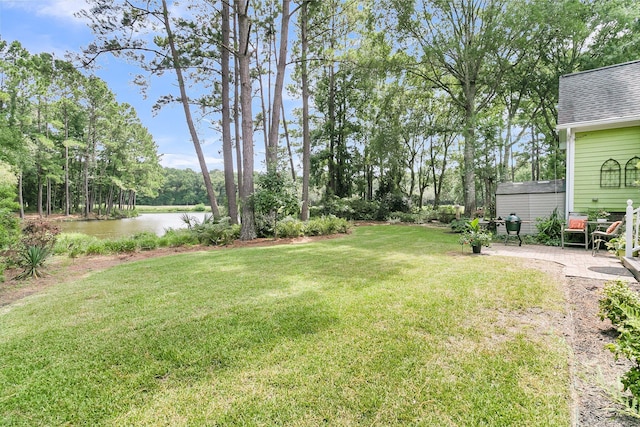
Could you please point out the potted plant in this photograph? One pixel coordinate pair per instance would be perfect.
(599, 215)
(617, 246)
(475, 236)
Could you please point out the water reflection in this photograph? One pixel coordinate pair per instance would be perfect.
(154, 222)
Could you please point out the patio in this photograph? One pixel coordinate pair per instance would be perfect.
(577, 262)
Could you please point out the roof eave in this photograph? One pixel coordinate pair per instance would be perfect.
(601, 124)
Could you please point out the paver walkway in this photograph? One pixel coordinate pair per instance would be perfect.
(577, 262)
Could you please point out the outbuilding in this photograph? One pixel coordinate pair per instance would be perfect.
(530, 200)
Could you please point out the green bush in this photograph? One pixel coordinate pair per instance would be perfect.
(32, 259)
(616, 295)
(9, 224)
(178, 237)
(200, 207)
(290, 227)
(550, 229)
(146, 241)
(406, 217)
(122, 245)
(326, 225)
(97, 247)
(621, 305)
(362, 210)
(447, 213)
(37, 241)
(459, 225)
(9, 228)
(216, 233)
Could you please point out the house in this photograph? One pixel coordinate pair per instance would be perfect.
(599, 117)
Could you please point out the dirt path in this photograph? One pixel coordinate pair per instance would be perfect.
(593, 367)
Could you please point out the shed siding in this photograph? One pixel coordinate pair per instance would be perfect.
(592, 149)
(529, 207)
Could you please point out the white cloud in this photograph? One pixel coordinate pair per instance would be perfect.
(64, 10)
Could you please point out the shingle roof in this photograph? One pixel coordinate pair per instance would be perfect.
(529, 187)
(600, 94)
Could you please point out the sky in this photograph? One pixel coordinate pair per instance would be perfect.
(50, 26)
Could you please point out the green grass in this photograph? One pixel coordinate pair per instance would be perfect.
(388, 326)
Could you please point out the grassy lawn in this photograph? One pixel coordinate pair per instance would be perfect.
(388, 326)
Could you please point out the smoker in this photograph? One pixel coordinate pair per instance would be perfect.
(512, 224)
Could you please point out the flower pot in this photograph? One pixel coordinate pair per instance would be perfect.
(476, 248)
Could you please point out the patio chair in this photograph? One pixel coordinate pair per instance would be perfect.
(577, 225)
(601, 235)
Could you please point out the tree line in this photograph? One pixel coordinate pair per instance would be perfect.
(70, 145)
(412, 99)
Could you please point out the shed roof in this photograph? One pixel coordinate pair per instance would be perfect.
(600, 94)
(531, 187)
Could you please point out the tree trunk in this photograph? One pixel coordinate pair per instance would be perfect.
(20, 195)
(39, 192)
(470, 154)
(286, 137)
(236, 111)
(306, 135)
(263, 104)
(67, 197)
(227, 149)
(187, 112)
(248, 230)
(274, 128)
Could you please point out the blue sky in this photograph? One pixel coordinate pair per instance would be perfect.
(50, 26)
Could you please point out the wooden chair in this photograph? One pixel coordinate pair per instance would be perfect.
(600, 234)
(577, 224)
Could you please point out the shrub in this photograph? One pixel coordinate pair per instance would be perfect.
(3, 267)
(290, 227)
(459, 225)
(621, 305)
(97, 247)
(38, 232)
(9, 228)
(178, 237)
(146, 241)
(407, 217)
(9, 224)
(216, 233)
(36, 244)
(326, 225)
(360, 209)
(392, 202)
(550, 229)
(32, 258)
(200, 207)
(616, 295)
(447, 213)
(123, 245)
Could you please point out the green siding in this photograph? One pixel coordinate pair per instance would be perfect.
(592, 149)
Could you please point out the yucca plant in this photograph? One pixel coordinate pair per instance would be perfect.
(32, 259)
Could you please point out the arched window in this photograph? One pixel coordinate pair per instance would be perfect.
(632, 173)
(610, 174)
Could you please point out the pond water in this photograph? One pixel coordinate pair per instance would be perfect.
(156, 223)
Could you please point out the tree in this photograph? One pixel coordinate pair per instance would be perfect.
(465, 48)
(248, 230)
(114, 38)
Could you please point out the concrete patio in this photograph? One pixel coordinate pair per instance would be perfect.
(577, 262)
